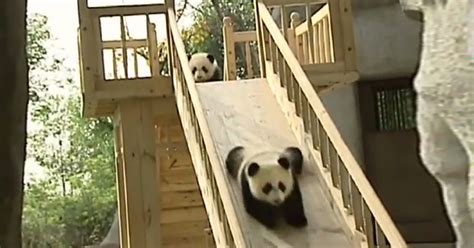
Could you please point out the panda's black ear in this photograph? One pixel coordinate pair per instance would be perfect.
(210, 58)
(189, 57)
(283, 161)
(253, 169)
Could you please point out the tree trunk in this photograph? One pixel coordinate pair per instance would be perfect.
(13, 109)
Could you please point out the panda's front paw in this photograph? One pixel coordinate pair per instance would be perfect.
(269, 223)
(297, 221)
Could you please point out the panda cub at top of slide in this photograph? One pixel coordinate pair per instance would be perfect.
(269, 184)
(204, 68)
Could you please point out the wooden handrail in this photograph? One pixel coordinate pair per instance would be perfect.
(127, 10)
(355, 172)
(316, 35)
(320, 14)
(231, 38)
(202, 125)
(291, 2)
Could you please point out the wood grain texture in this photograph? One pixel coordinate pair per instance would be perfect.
(246, 113)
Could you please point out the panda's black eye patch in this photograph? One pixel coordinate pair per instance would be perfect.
(281, 186)
(204, 69)
(267, 188)
(194, 70)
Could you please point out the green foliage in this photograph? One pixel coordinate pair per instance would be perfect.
(205, 35)
(37, 34)
(74, 204)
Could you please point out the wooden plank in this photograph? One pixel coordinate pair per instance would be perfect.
(260, 122)
(184, 229)
(311, 39)
(183, 185)
(179, 174)
(337, 30)
(89, 53)
(133, 88)
(171, 147)
(292, 2)
(176, 160)
(229, 49)
(122, 211)
(350, 56)
(167, 119)
(173, 133)
(180, 199)
(153, 45)
(176, 133)
(180, 215)
(245, 36)
(127, 10)
(260, 31)
(140, 172)
(135, 43)
(184, 242)
(248, 60)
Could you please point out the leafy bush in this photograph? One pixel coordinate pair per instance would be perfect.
(75, 203)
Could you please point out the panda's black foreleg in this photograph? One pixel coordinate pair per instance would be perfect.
(293, 209)
(262, 212)
(217, 76)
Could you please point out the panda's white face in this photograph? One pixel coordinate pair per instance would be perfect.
(270, 181)
(203, 66)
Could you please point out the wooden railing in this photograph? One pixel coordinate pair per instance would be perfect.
(316, 44)
(248, 43)
(210, 174)
(325, 36)
(364, 218)
(244, 41)
(110, 68)
(324, 42)
(92, 22)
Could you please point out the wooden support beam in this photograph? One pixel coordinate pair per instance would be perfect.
(123, 225)
(140, 175)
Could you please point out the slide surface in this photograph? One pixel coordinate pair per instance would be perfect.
(245, 112)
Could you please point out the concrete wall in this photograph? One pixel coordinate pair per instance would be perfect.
(342, 105)
(387, 44)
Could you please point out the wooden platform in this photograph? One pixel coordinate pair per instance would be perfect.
(246, 113)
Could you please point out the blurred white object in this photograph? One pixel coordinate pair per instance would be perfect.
(445, 104)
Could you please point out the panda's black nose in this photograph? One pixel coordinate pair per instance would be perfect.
(277, 201)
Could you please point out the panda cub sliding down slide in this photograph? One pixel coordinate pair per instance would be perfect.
(269, 184)
(204, 68)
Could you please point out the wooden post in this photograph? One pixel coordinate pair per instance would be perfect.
(155, 69)
(122, 212)
(292, 39)
(311, 38)
(229, 50)
(350, 56)
(140, 175)
(336, 30)
(260, 40)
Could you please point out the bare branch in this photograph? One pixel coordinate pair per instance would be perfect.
(217, 8)
(195, 8)
(180, 12)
